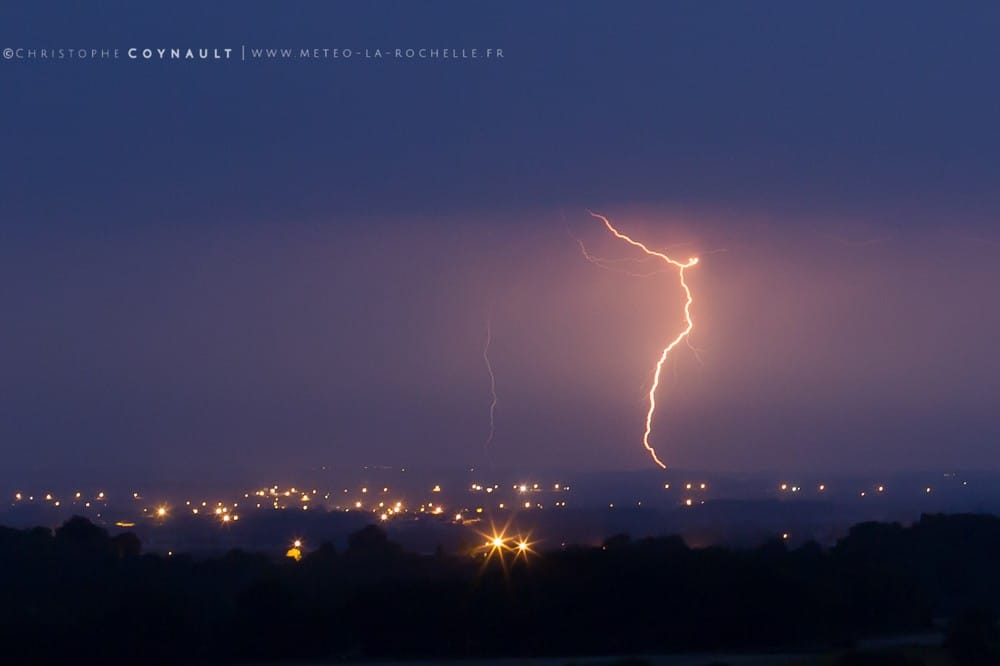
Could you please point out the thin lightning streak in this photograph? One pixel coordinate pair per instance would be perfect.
(681, 266)
(855, 243)
(694, 350)
(608, 264)
(493, 385)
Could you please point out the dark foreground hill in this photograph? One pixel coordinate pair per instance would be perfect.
(76, 595)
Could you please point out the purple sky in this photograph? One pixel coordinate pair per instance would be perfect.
(273, 266)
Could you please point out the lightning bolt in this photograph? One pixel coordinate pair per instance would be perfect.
(493, 386)
(682, 336)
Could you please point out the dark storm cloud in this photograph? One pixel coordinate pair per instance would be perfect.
(789, 103)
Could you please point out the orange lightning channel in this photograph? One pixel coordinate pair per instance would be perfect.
(681, 266)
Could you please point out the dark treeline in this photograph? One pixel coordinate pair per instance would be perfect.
(77, 594)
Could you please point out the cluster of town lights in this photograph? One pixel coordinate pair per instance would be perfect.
(386, 505)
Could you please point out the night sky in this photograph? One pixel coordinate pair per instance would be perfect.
(266, 266)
